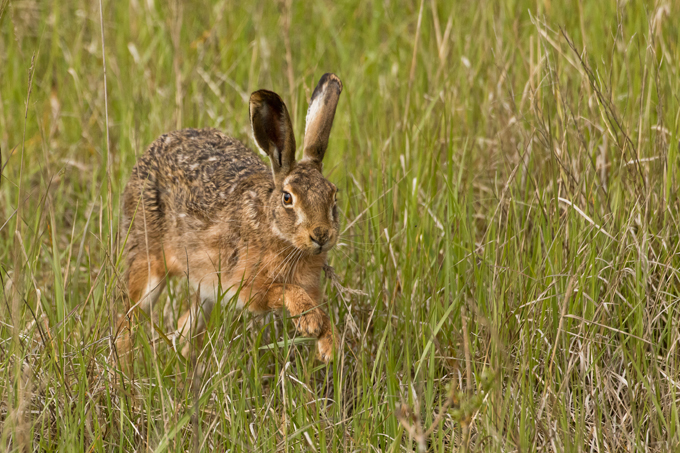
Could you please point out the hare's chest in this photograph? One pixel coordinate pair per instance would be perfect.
(280, 267)
(293, 268)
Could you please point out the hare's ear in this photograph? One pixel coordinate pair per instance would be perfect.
(320, 117)
(273, 131)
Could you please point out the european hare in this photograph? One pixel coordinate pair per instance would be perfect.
(203, 205)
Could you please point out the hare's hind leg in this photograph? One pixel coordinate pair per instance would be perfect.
(145, 283)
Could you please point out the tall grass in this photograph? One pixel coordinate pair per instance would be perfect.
(508, 175)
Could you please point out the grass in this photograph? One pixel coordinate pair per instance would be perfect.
(509, 178)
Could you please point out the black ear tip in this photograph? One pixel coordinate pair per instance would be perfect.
(267, 97)
(330, 79)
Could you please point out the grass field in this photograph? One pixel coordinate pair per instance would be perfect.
(509, 199)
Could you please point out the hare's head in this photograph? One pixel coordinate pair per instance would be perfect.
(302, 203)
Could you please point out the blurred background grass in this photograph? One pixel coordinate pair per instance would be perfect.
(509, 199)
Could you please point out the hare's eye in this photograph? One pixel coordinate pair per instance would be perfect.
(287, 199)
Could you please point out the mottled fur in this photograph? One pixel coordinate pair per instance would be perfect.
(202, 205)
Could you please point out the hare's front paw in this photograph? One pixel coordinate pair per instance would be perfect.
(310, 324)
(326, 345)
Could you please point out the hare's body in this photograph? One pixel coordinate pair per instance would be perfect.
(201, 204)
(203, 217)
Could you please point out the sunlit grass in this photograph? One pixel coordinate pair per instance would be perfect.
(508, 175)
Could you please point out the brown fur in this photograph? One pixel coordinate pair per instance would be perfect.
(202, 205)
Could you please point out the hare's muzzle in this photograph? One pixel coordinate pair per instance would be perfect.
(320, 236)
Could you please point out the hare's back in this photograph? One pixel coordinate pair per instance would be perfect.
(195, 170)
(203, 155)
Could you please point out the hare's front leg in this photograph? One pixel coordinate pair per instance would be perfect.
(309, 319)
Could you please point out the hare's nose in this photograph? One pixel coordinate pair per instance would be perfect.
(319, 236)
